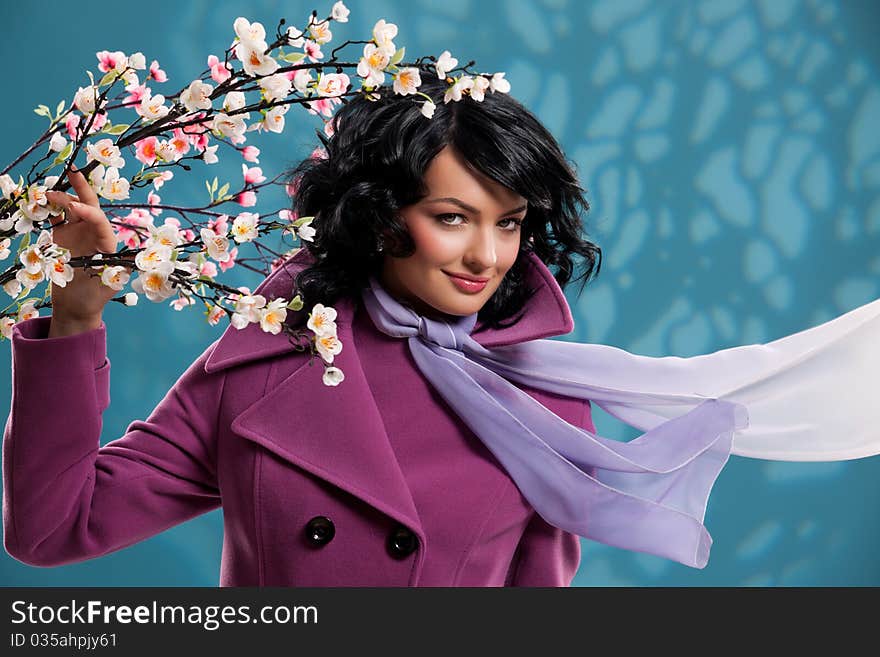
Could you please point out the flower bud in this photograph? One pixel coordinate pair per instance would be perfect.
(131, 299)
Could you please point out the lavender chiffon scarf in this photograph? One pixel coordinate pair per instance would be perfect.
(648, 494)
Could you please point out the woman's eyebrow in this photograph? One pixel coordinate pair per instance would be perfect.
(469, 208)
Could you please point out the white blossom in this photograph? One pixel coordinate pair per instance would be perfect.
(153, 107)
(197, 96)
(340, 12)
(498, 83)
(244, 227)
(115, 277)
(322, 320)
(57, 143)
(217, 245)
(428, 108)
(272, 316)
(115, 187)
(105, 152)
(444, 63)
(333, 376)
(276, 87)
(234, 100)
(247, 32)
(154, 283)
(254, 61)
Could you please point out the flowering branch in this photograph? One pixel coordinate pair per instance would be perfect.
(168, 133)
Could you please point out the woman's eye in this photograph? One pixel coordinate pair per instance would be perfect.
(443, 217)
(509, 224)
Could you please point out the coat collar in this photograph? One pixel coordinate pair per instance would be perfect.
(546, 314)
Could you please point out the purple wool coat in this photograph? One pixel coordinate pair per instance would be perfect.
(375, 482)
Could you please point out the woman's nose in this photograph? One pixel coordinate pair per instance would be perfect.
(481, 253)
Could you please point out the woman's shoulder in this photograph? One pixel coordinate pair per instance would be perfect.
(251, 343)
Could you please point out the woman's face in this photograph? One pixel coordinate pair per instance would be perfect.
(468, 225)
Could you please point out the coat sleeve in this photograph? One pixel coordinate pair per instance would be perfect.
(547, 555)
(66, 499)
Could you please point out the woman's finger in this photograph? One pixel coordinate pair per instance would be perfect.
(82, 187)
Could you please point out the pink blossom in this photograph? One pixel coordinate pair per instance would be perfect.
(291, 187)
(108, 61)
(154, 199)
(208, 269)
(220, 225)
(187, 235)
(180, 142)
(288, 215)
(319, 153)
(215, 314)
(251, 154)
(323, 106)
(159, 180)
(136, 93)
(197, 133)
(73, 120)
(313, 50)
(219, 71)
(138, 217)
(194, 128)
(231, 261)
(157, 73)
(253, 175)
(199, 142)
(246, 199)
(145, 150)
(128, 237)
(71, 123)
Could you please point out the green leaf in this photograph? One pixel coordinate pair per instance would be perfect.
(149, 175)
(60, 108)
(42, 110)
(210, 193)
(397, 56)
(293, 57)
(301, 221)
(117, 129)
(109, 77)
(214, 185)
(25, 242)
(223, 190)
(64, 154)
(91, 77)
(295, 304)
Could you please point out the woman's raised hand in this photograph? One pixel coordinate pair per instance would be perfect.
(79, 305)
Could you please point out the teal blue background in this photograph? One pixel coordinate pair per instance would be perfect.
(732, 158)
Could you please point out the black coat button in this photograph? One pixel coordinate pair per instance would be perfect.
(402, 542)
(320, 531)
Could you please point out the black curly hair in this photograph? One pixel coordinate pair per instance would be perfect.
(375, 164)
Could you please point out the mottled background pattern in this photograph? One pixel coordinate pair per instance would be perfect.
(732, 159)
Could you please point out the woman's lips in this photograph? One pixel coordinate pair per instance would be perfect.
(466, 285)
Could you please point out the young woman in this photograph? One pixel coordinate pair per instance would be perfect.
(459, 450)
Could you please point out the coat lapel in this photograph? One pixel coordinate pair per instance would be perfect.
(337, 433)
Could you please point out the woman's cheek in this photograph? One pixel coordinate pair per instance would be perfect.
(435, 244)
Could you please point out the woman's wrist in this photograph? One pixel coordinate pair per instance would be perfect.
(62, 326)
